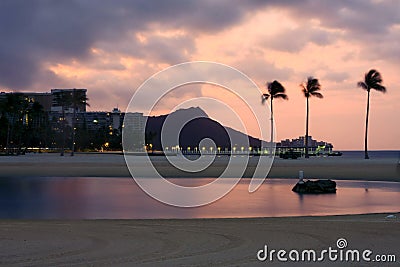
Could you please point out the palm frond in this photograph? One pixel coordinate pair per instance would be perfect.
(275, 87)
(310, 79)
(373, 80)
(380, 88)
(269, 86)
(313, 85)
(316, 94)
(305, 91)
(374, 76)
(310, 87)
(363, 85)
(281, 95)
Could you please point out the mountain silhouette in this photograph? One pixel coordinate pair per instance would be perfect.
(196, 127)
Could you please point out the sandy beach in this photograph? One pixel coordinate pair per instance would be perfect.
(113, 165)
(194, 242)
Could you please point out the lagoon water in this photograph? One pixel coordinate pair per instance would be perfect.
(121, 198)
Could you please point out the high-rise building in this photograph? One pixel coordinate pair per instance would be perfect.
(134, 125)
(116, 119)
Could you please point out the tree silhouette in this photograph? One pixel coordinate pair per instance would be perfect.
(275, 90)
(15, 106)
(77, 98)
(69, 99)
(63, 99)
(149, 137)
(310, 88)
(372, 80)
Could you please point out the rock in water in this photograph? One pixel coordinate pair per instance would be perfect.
(315, 187)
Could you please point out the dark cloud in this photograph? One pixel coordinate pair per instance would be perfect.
(33, 32)
(370, 23)
(295, 40)
(169, 50)
(261, 70)
(156, 48)
(355, 16)
(337, 77)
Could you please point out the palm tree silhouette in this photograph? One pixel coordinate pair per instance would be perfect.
(372, 80)
(77, 99)
(275, 90)
(63, 99)
(34, 132)
(15, 108)
(67, 99)
(310, 88)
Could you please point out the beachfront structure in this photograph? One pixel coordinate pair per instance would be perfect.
(52, 106)
(298, 144)
(28, 107)
(92, 120)
(45, 99)
(135, 123)
(116, 118)
(49, 100)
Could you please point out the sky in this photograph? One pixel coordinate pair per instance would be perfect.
(112, 47)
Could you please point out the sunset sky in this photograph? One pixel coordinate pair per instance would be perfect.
(112, 47)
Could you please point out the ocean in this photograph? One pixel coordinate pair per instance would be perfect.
(372, 154)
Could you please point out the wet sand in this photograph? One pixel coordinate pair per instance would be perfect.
(112, 165)
(194, 242)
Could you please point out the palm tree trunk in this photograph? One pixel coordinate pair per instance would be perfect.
(63, 132)
(73, 132)
(8, 139)
(74, 99)
(306, 141)
(366, 129)
(272, 130)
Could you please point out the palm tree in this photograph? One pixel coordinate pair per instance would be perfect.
(3, 123)
(149, 137)
(67, 99)
(77, 99)
(275, 90)
(36, 117)
(310, 88)
(15, 108)
(372, 80)
(63, 99)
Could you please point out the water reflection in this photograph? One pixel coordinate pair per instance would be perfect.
(90, 198)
